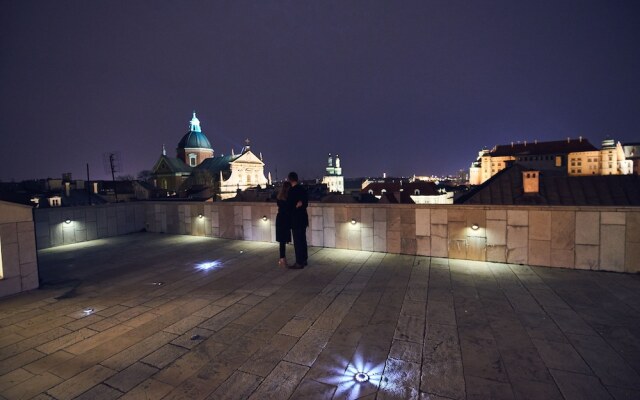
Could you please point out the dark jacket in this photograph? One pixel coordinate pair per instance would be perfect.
(299, 217)
(283, 222)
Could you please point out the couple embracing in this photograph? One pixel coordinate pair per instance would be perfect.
(292, 220)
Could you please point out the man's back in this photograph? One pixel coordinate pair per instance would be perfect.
(299, 218)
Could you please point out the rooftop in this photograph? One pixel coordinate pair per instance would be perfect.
(166, 316)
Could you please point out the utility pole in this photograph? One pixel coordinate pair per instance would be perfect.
(113, 174)
(88, 186)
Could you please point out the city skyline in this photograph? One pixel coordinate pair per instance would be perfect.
(411, 88)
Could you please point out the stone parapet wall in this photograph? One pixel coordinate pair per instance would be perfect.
(87, 223)
(18, 258)
(599, 238)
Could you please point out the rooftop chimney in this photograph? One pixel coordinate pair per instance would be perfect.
(568, 139)
(580, 137)
(531, 182)
(67, 189)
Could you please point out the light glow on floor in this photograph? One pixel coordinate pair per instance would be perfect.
(208, 265)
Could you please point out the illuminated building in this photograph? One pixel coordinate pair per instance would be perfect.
(573, 157)
(196, 168)
(333, 177)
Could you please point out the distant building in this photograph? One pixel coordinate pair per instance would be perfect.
(196, 169)
(333, 177)
(573, 157)
(632, 153)
(405, 192)
(519, 185)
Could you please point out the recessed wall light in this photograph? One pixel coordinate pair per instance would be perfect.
(68, 221)
(264, 218)
(475, 227)
(353, 221)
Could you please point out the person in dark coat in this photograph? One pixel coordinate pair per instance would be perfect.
(297, 202)
(283, 223)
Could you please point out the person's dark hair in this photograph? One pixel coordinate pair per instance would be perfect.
(293, 177)
(284, 191)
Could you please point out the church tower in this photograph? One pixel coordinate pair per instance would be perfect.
(194, 147)
(333, 177)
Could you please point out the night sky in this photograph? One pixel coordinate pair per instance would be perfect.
(392, 86)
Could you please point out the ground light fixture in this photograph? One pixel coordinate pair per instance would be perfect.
(264, 218)
(475, 227)
(353, 221)
(361, 377)
(68, 221)
(88, 311)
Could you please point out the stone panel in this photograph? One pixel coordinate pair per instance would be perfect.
(439, 216)
(328, 217)
(497, 253)
(423, 222)
(379, 235)
(455, 215)
(517, 218)
(563, 226)
(439, 246)
(562, 258)
(457, 230)
(517, 244)
(380, 214)
(612, 218)
(633, 227)
(423, 246)
(330, 237)
(587, 256)
(496, 232)
(587, 227)
(394, 244)
(457, 248)
(476, 248)
(408, 246)
(540, 225)
(539, 252)
(612, 247)
(367, 238)
(500, 215)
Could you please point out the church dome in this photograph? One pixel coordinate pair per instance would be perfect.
(194, 139)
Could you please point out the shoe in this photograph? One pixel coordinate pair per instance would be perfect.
(296, 266)
(282, 262)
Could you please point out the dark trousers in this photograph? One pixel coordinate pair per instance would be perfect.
(283, 249)
(300, 244)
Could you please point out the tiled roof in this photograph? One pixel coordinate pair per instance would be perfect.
(505, 188)
(555, 147)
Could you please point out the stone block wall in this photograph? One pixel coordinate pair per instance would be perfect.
(568, 237)
(18, 258)
(68, 225)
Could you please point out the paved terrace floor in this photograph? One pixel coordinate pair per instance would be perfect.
(226, 323)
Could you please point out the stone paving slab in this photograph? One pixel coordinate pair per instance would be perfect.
(150, 316)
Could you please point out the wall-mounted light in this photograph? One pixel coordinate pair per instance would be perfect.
(264, 218)
(475, 227)
(353, 221)
(68, 221)
(200, 216)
